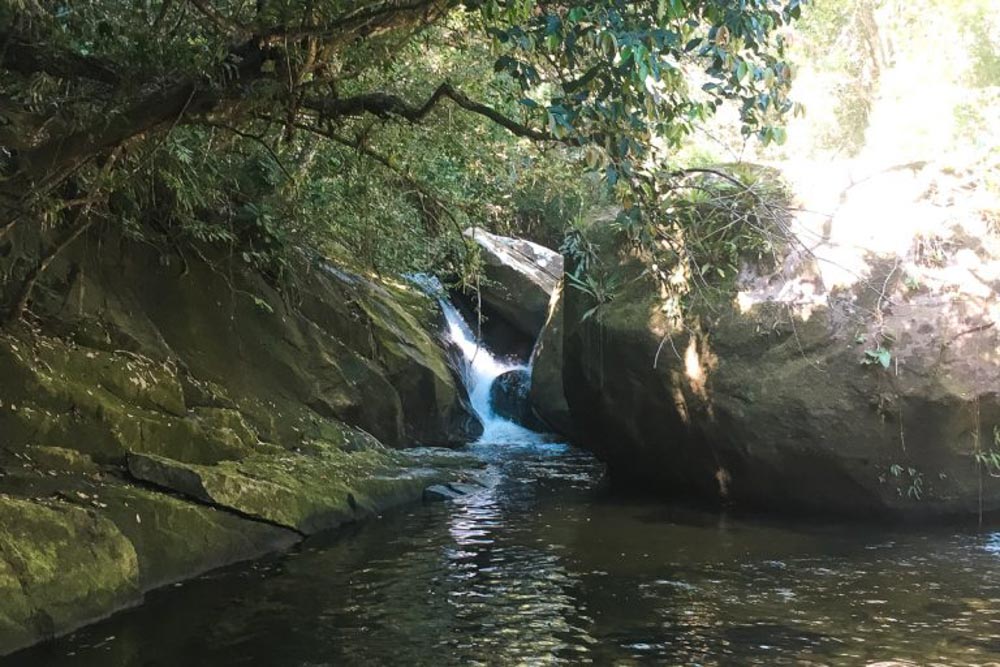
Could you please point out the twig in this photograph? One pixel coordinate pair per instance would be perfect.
(252, 137)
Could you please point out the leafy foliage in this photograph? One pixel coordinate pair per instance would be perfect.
(376, 130)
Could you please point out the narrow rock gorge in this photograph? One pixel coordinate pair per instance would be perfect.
(162, 420)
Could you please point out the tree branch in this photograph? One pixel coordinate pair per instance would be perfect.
(386, 105)
(441, 203)
(223, 23)
(24, 56)
(252, 137)
(366, 21)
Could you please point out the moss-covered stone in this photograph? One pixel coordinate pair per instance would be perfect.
(61, 458)
(61, 566)
(176, 539)
(308, 491)
(260, 415)
(396, 325)
(105, 404)
(17, 625)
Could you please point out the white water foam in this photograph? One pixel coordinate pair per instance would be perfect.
(479, 371)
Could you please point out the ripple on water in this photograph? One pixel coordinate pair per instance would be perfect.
(542, 567)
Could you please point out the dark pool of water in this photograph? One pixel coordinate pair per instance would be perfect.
(545, 567)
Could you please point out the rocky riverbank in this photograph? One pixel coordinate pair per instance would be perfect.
(158, 421)
(857, 375)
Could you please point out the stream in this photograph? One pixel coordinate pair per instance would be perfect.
(547, 566)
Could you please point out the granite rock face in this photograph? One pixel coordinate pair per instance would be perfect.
(520, 278)
(159, 421)
(858, 376)
(546, 395)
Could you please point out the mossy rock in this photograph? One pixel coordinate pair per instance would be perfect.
(61, 458)
(106, 404)
(176, 539)
(309, 491)
(238, 406)
(60, 566)
(396, 326)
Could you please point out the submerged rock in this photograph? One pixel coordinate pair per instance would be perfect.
(509, 398)
(856, 378)
(520, 277)
(440, 493)
(447, 492)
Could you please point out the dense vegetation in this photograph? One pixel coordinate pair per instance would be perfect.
(372, 130)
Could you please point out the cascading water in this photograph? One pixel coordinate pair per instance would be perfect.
(480, 369)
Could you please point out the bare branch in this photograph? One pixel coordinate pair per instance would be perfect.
(252, 137)
(386, 105)
(223, 23)
(366, 21)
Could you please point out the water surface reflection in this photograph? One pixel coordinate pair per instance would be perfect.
(543, 567)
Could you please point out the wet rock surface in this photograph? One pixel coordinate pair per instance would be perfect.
(157, 423)
(546, 395)
(509, 398)
(520, 277)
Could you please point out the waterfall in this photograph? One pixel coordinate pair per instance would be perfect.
(480, 368)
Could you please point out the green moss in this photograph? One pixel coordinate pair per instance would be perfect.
(70, 565)
(16, 613)
(175, 539)
(309, 491)
(234, 406)
(107, 404)
(61, 458)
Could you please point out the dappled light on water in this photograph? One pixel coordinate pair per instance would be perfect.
(480, 368)
(542, 567)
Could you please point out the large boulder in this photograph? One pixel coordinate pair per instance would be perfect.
(859, 375)
(345, 346)
(509, 398)
(520, 277)
(546, 395)
(165, 415)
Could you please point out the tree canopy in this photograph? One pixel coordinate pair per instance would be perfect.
(260, 124)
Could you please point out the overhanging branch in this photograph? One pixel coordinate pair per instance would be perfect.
(441, 204)
(222, 22)
(388, 105)
(24, 56)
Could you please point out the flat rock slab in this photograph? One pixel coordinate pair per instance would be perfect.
(452, 491)
(307, 493)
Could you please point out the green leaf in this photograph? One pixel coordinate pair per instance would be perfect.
(741, 70)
